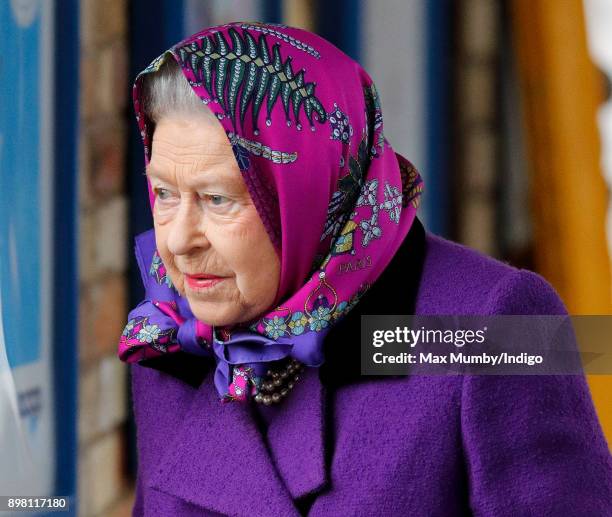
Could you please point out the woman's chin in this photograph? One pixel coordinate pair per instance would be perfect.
(212, 318)
(215, 314)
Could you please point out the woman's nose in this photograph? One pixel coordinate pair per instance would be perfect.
(187, 230)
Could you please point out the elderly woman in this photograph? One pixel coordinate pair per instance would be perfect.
(282, 214)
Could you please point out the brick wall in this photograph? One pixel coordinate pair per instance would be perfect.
(103, 487)
(476, 122)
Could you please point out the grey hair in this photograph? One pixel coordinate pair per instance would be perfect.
(167, 93)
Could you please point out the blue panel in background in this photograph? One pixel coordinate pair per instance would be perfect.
(173, 22)
(340, 23)
(39, 80)
(20, 214)
(65, 223)
(272, 11)
(437, 118)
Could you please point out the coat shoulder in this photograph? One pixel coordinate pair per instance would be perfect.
(457, 279)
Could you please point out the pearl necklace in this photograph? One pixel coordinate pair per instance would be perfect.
(278, 383)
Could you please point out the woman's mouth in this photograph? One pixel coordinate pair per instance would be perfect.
(202, 281)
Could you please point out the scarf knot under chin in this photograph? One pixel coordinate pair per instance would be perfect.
(156, 328)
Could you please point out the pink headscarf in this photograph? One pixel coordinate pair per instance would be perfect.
(306, 127)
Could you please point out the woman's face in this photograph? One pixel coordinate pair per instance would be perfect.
(206, 223)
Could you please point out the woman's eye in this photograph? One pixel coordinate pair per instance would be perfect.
(162, 193)
(216, 199)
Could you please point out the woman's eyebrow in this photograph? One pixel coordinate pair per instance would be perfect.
(202, 178)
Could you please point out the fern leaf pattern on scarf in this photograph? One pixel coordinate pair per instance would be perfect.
(244, 73)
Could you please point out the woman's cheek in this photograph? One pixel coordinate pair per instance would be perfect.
(228, 244)
(162, 215)
(238, 245)
(238, 231)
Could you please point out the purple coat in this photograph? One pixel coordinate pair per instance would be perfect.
(345, 445)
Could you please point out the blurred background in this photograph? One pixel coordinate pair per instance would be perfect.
(504, 107)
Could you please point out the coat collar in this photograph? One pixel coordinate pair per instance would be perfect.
(253, 475)
(216, 459)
